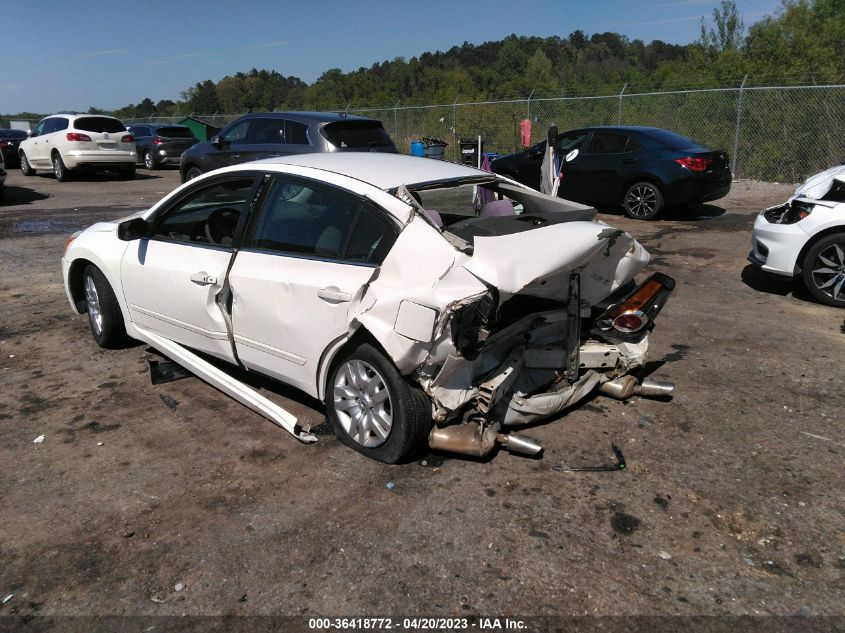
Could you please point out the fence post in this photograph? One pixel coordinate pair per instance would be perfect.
(529, 105)
(619, 114)
(456, 138)
(396, 120)
(738, 119)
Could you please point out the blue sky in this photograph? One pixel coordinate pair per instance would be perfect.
(72, 54)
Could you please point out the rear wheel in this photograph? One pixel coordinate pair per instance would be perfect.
(59, 170)
(26, 168)
(104, 316)
(149, 160)
(374, 410)
(643, 201)
(823, 270)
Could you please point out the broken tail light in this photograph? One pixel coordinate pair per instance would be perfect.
(471, 324)
(630, 318)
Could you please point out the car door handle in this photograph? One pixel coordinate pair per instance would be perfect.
(203, 279)
(334, 295)
(236, 156)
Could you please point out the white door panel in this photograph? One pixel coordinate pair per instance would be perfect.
(170, 288)
(288, 309)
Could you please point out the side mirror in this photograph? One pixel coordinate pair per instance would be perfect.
(571, 156)
(133, 229)
(535, 152)
(218, 142)
(29, 133)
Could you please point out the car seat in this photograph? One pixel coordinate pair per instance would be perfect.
(497, 208)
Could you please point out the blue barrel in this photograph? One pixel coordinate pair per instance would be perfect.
(417, 148)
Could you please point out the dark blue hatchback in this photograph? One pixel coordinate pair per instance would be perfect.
(643, 169)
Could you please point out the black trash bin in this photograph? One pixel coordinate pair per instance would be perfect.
(435, 148)
(469, 151)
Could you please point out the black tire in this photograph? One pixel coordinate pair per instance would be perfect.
(105, 319)
(192, 172)
(128, 173)
(823, 270)
(409, 407)
(26, 168)
(59, 170)
(643, 201)
(150, 160)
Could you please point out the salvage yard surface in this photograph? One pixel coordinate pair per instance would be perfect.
(174, 499)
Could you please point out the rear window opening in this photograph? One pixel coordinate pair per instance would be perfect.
(98, 124)
(174, 132)
(357, 134)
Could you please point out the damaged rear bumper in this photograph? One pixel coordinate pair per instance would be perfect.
(526, 374)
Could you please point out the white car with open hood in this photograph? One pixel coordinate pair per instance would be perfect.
(369, 282)
(804, 238)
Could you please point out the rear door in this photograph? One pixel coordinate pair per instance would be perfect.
(171, 280)
(312, 249)
(603, 168)
(266, 139)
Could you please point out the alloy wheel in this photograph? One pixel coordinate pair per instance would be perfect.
(362, 403)
(148, 160)
(829, 271)
(641, 201)
(95, 315)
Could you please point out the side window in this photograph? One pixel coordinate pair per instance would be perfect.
(567, 142)
(311, 220)
(39, 129)
(237, 134)
(372, 237)
(61, 124)
(267, 132)
(607, 143)
(139, 130)
(49, 126)
(632, 145)
(296, 133)
(207, 216)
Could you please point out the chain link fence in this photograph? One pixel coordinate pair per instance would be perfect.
(779, 133)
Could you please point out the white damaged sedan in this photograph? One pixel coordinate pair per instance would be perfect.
(805, 237)
(369, 282)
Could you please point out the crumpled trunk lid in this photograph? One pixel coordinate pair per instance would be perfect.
(539, 262)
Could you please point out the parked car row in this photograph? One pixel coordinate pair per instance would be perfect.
(641, 169)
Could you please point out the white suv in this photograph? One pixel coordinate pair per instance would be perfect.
(65, 143)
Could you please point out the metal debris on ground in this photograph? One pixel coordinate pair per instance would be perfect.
(38, 440)
(7, 598)
(164, 371)
(390, 485)
(619, 465)
(170, 402)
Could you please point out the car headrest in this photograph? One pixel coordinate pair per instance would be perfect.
(497, 208)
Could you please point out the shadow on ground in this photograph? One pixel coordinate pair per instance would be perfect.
(22, 195)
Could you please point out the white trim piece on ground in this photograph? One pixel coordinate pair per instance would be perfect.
(227, 384)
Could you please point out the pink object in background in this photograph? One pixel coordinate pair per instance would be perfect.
(525, 132)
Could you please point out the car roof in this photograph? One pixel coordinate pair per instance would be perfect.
(383, 170)
(309, 117)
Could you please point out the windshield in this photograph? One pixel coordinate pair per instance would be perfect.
(357, 134)
(98, 124)
(174, 132)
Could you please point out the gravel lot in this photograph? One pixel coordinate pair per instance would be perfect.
(731, 504)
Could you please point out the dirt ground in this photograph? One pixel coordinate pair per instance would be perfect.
(732, 502)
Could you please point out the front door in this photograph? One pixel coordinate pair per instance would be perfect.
(171, 280)
(311, 251)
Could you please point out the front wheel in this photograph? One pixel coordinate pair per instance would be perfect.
(374, 410)
(59, 170)
(104, 315)
(823, 270)
(26, 168)
(643, 201)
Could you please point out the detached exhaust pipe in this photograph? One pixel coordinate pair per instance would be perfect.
(473, 439)
(627, 386)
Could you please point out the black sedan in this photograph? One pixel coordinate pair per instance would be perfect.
(643, 169)
(161, 144)
(9, 141)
